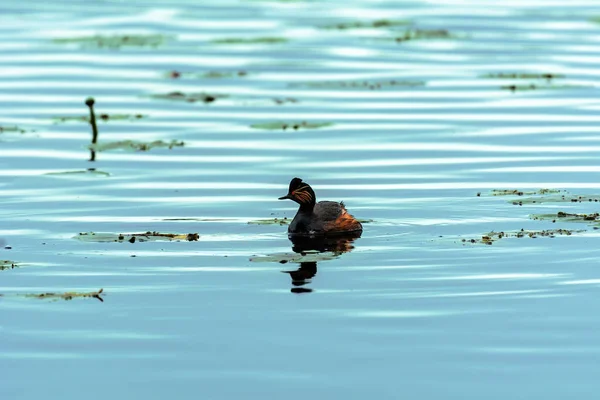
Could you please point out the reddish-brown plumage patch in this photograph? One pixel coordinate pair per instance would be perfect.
(344, 222)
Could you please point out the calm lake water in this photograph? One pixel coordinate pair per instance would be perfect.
(406, 110)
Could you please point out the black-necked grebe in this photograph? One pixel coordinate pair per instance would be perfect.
(322, 218)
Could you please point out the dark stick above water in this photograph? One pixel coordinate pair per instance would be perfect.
(90, 103)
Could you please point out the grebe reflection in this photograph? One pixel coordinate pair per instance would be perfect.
(314, 246)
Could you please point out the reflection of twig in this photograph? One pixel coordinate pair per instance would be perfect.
(90, 103)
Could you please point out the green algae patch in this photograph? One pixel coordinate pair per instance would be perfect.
(270, 221)
(136, 237)
(567, 217)
(11, 129)
(361, 84)
(491, 237)
(286, 221)
(206, 75)
(66, 295)
(534, 86)
(557, 198)
(189, 97)
(537, 81)
(284, 100)
(133, 145)
(255, 40)
(378, 23)
(284, 258)
(84, 172)
(275, 126)
(7, 264)
(102, 117)
(515, 192)
(197, 219)
(516, 75)
(424, 34)
(115, 41)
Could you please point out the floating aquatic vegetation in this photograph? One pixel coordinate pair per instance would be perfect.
(89, 171)
(491, 237)
(370, 85)
(536, 77)
(66, 295)
(533, 86)
(283, 258)
(514, 192)
(379, 23)
(286, 221)
(255, 40)
(189, 97)
(543, 196)
(133, 145)
(103, 117)
(514, 75)
(291, 125)
(564, 198)
(420, 34)
(11, 129)
(116, 41)
(207, 75)
(270, 221)
(284, 100)
(7, 264)
(135, 237)
(567, 217)
(197, 219)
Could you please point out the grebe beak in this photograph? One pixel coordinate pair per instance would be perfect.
(287, 196)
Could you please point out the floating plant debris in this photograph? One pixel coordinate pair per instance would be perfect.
(379, 23)
(419, 34)
(280, 101)
(308, 256)
(133, 145)
(370, 85)
(513, 75)
(11, 129)
(189, 97)
(103, 117)
(116, 41)
(564, 198)
(6, 264)
(256, 40)
(567, 217)
(291, 125)
(197, 219)
(533, 86)
(66, 295)
(136, 237)
(286, 221)
(89, 171)
(513, 192)
(491, 237)
(270, 221)
(207, 75)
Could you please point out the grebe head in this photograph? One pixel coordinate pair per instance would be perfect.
(300, 192)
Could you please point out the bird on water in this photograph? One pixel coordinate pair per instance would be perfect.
(322, 218)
